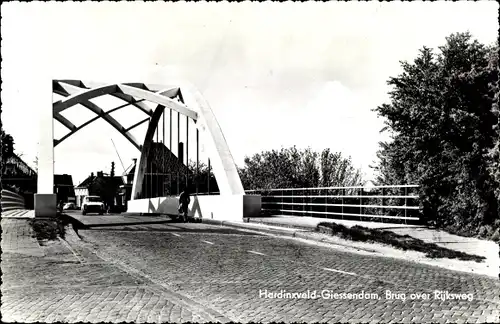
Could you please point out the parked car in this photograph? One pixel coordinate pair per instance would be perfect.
(92, 204)
(69, 206)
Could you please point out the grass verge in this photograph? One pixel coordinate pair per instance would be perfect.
(403, 242)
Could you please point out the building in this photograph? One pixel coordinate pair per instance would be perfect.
(20, 177)
(63, 188)
(102, 185)
(162, 171)
(17, 175)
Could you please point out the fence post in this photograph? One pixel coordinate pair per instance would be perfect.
(383, 200)
(342, 191)
(326, 203)
(303, 203)
(282, 202)
(360, 203)
(406, 206)
(310, 195)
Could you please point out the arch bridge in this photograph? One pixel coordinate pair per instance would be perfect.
(184, 100)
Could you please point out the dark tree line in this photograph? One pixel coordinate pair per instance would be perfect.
(298, 168)
(444, 122)
(7, 148)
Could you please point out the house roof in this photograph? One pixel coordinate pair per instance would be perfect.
(63, 180)
(160, 159)
(163, 160)
(86, 183)
(116, 180)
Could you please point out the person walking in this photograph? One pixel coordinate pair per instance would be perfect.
(184, 201)
(60, 206)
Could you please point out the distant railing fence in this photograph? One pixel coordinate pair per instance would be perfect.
(398, 203)
(11, 201)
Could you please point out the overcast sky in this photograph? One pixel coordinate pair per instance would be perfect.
(275, 74)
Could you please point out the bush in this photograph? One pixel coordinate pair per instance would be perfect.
(47, 229)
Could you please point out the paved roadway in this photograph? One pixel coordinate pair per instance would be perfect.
(199, 272)
(230, 271)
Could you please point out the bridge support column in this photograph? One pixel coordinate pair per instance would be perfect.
(45, 199)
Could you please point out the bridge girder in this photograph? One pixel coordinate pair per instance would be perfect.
(75, 94)
(134, 94)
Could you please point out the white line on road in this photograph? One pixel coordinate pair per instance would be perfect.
(340, 271)
(208, 242)
(254, 252)
(175, 234)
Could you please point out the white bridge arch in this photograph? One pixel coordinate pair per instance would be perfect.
(184, 99)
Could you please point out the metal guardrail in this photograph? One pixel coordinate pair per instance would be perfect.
(11, 200)
(376, 203)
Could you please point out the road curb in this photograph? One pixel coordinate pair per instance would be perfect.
(80, 225)
(143, 214)
(289, 232)
(260, 222)
(300, 233)
(125, 224)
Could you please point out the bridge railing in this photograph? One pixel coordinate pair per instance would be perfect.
(11, 201)
(398, 203)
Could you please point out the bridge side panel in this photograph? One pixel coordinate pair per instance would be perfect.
(224, 208)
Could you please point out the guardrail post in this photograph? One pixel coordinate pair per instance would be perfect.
(342, 191)
(282, 201)
(326, 203)
(303, 204)
(383, 200)
(309, 195)
(360, 203)
(406, 206)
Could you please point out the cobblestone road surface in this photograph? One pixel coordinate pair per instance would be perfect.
(57, 285)
(229, 273)
(200, 273)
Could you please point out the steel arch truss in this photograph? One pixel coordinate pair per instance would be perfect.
(186, 100)
(76, 92)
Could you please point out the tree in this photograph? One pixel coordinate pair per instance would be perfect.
(7, 145)
(201, 178)
(493, 155)
(336, 171)
(442, 123)
(35, 162)
(294, 168)
(7, 148)
(112, 173)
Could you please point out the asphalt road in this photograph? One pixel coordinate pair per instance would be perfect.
(247, 277)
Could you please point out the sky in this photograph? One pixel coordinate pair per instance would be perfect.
(275, 74)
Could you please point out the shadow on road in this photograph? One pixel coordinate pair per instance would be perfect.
(150, 224)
